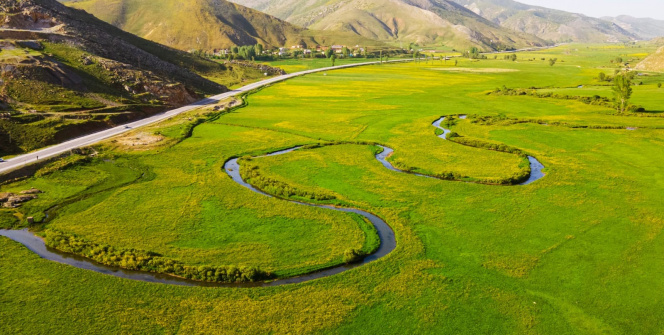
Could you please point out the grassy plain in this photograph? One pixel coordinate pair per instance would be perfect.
(302, 64)
(576, 252)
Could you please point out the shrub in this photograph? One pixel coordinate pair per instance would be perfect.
(353, 256)
(133, 259)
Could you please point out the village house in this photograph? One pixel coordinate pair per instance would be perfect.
(337, 48)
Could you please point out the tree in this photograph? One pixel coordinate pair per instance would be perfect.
(473, 53)
(659, 85)
(259, 49)
(622, 90)
(511, 57)
(333, 58)
(553, 61)
(247, 52)
(329, 52)
(602, 76)
(345, 51)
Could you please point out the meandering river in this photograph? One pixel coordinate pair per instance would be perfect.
(232, 168)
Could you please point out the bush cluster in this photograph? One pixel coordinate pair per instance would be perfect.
(519, 177)
(353, 256)
(472, 142)
(593, 100)
(511, 57)
(133, 259)
(474, 53)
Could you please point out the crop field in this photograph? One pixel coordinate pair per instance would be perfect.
(577, 252)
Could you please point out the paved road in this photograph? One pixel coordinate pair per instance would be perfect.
(51, 30)
(30, 158)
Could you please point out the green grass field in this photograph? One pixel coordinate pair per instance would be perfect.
(577, 252)
(302, 64)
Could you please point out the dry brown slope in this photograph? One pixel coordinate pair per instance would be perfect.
(654, 62)
(422, 21)
(194, 24)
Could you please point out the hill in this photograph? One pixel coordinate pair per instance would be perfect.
(645, 28)
(194, 24)
(654, 62)
(65, 73)
(548, 24)
(421, 21)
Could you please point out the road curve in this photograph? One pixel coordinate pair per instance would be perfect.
(55, 150)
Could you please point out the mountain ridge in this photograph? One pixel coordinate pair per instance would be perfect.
(549, 24)
(420, 21)
(646, 28)
(196, 24)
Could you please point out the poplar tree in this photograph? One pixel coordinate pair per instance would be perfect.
(622, 90)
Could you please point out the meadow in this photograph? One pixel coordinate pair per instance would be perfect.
(577, 252)
(291, 65)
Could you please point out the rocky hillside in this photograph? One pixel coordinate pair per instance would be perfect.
(194, 24)
(645, 28)
(549, 24)
(421, 21)
(64, 73)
